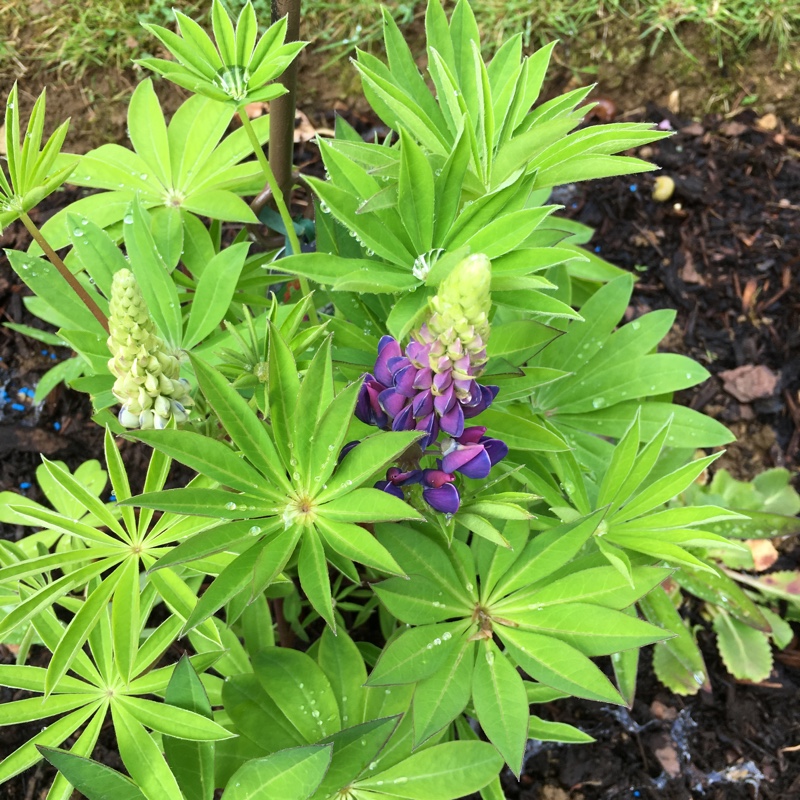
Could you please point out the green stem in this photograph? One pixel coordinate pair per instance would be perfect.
(87, 299)
(280, 201)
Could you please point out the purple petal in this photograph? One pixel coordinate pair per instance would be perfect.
(445, 401)
(423, 404)
(441, 381)
(404, 421)
(470, 459)
(487, 396)
(496, 448)
(453, 421)
(444, 499)
(424, 378)
(434, 478)
(392, 402)
(473, 435)
(479, 467)
(404, 381)
(347, 448)
(430, 425)
(387, 348)
(390, 488)
(363, 408)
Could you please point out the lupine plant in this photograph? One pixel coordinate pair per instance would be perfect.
(435, 489)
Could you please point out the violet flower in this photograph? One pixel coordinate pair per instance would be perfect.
(473, 453)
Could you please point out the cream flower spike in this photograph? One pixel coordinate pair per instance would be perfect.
(148, 382)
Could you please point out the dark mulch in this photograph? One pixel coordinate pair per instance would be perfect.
(724, 251)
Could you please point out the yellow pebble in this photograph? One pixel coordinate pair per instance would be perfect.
(663, 188)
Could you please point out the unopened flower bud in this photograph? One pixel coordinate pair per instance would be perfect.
(148, 382)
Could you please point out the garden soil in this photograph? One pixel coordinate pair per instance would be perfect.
(724, 250)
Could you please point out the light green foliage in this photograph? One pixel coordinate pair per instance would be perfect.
(33, 171)
(736, 603)
(346, 636)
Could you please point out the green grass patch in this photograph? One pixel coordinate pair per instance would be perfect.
(71, 36)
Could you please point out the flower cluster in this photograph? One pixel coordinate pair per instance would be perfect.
(473, 454)
(148, 382)
(432, 387)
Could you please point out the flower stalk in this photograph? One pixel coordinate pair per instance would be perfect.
(64, 271)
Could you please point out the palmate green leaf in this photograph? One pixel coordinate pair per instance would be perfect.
(227, 584)
(50, 593)
(243, 426)
(367, 505)
(417, 653)
(626, 668)
(664, 489)
(418, 601)
(315, 396)
(544, 730)
(546, 553)
(441, 772)
(501, 705)
(51, 289)
(621, 463)
(354, 749)
(601, 586)
(593, 630)
(51, 736)
(174, 721)
(519, 431)
(408, 312)
(746, 652)
(19, 676)
(17, 712)
(214, 292)
(191, 762)
(290, 774)
(371, 229)
(209, 457)
(340, 660)
(79, 628)
(439, 699)
(215, 503)
(299, 687)
(284, 388)
(148, 130)
(420, 554)
(357, 544)
(142, 757)
(312, 571)
(256, 716)
(94, 780)
(415, 200)
(151, 272)
(125, 618)
(557, 664)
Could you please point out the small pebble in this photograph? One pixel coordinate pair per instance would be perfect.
(25, 485)
(663, 188)
(17, 407)
(56, 426)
